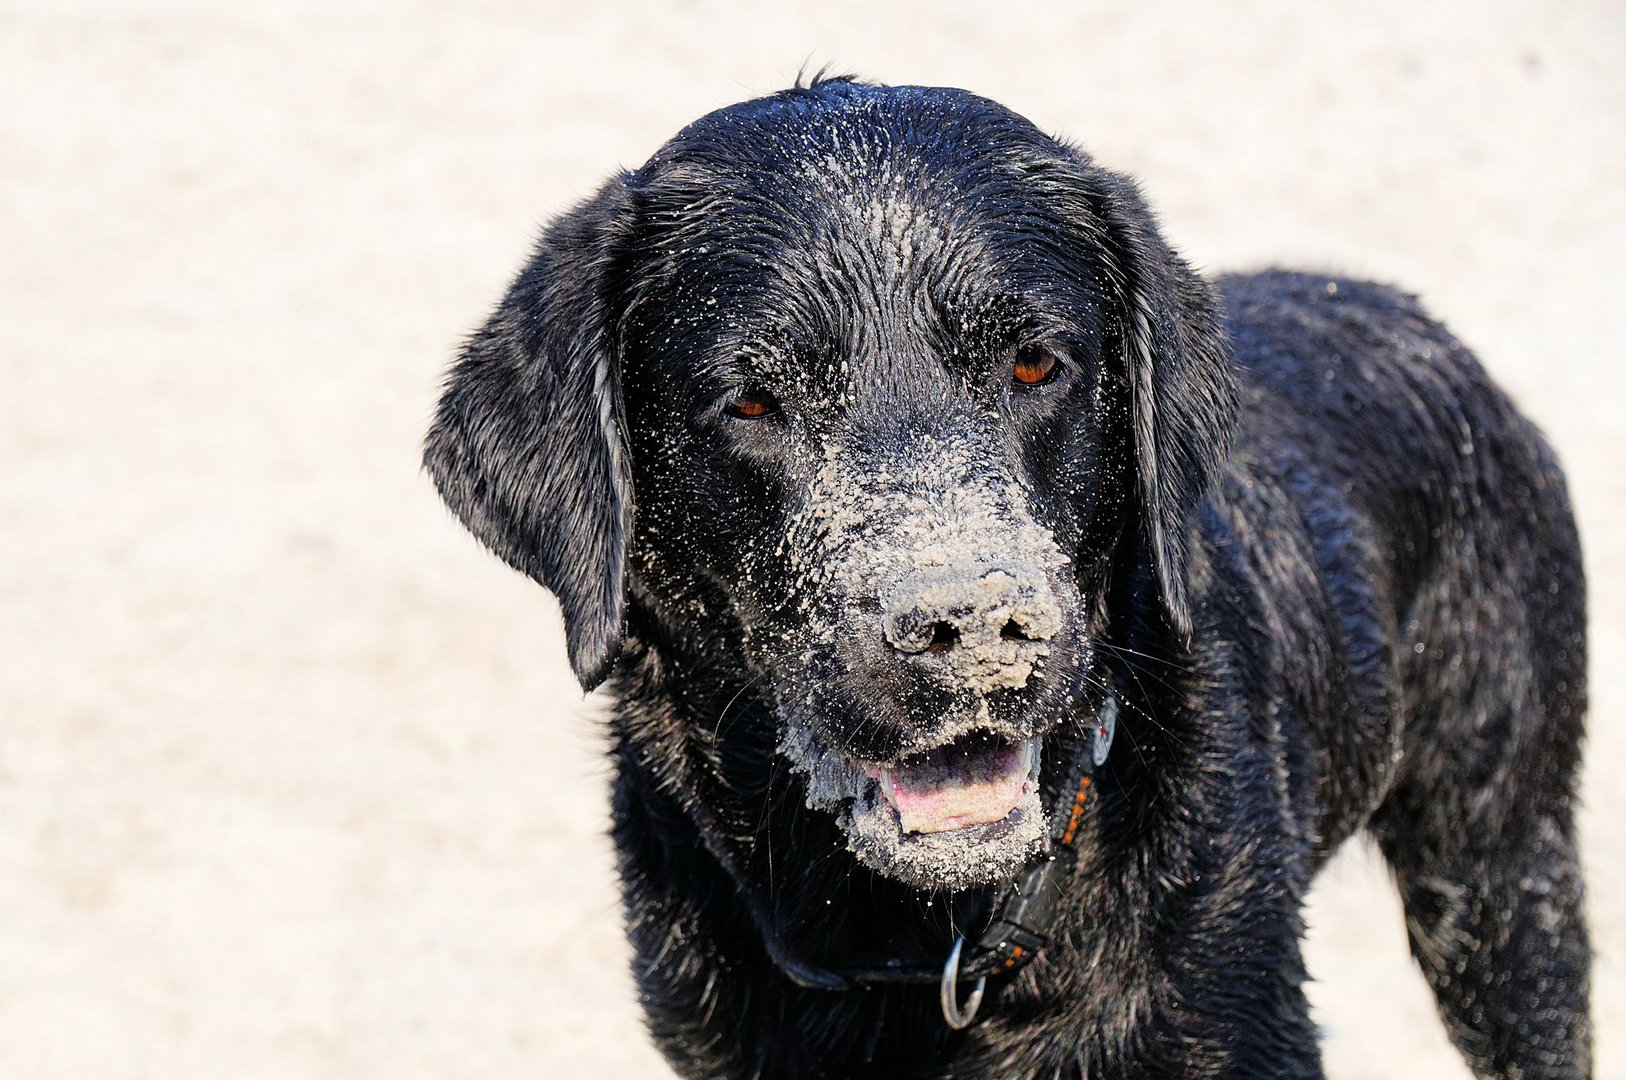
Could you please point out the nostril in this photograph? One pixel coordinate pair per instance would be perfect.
(944, 638)
(1012, 632)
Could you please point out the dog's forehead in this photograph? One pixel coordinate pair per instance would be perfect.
(880, 164)
(871, 222)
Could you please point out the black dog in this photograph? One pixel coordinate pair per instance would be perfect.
(946, 469)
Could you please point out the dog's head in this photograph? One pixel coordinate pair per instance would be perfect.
(895, 381)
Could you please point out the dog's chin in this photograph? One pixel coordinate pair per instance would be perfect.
(964, 814)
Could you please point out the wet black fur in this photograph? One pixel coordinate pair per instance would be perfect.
(1332, 572)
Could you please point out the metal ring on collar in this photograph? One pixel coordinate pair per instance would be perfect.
(949, 991)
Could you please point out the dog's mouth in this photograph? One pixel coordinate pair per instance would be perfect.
(976, 780)
(958, 815)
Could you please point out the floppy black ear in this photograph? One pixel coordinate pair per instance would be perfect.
(1182, 384)
(527, 446)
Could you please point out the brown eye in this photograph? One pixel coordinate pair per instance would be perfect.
(1035, 365)
(751, 405)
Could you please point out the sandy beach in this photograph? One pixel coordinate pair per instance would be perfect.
(294, 779)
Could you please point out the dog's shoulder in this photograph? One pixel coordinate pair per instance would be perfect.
(1288, 324)
(1355, 372)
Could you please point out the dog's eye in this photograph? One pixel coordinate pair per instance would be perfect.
(1035, 365)
(751, 404)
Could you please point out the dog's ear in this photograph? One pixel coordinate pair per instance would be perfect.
(527, 445)
(1182, 386)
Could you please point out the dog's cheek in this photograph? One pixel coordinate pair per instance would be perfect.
(778, 571)
(1081, 470)
(728, 527)
(809, 627)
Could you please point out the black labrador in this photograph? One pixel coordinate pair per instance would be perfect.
(1004, 623)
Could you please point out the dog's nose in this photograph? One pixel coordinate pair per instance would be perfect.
(977, 617)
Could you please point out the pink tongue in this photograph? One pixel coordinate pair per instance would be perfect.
(972, 789)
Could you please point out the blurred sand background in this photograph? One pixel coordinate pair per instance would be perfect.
(294, 781)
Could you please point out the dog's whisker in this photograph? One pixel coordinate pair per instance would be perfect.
(1128, 704)
(717, 728)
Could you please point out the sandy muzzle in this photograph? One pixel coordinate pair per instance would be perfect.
(952, 818)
